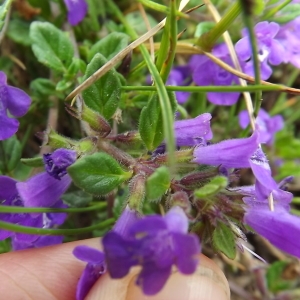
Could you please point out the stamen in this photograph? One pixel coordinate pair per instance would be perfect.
(253, 253)
(271, 202)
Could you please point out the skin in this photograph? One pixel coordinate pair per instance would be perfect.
(53, 272)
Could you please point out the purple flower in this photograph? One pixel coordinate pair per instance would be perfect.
(206, 72)
(269, 49)
(265, 183)
(193, 131)
(45, 189)
(180, 75)
(56, 163)
(96, 260)
(10, 196)
(42, 190)
(279, 227)
(289, 37)
(77, 10)
(267, 125)
(94, 269)
(155, 243)
(125, 221)
(233, 153)
(14, 101)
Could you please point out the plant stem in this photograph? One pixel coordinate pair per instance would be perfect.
(44, 231)
(16, 209)
(208, 39)
(220, 88)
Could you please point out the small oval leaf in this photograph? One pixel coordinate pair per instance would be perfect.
(97, 174)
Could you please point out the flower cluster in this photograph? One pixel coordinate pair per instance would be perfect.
(275, 45)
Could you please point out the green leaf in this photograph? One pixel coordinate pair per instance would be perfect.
(77, 199)
(151, 124)
(51, 46)
(69, 77)
(224, 240)
(158, 183)
(104, 95)
(110, 45)
(97, 174)
(3, 12)
(203, 27)
(275, 279)
(42, 87)
(10, 154)
(213, 187)
(33, 162)
(18, 31)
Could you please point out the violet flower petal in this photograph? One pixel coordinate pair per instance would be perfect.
(223, 98)
(88, 254)
(77, 10)
(233, 153)
(125, 221)
(188, 132)
(279, 227)
(42, 190)
(176, 220)
(18, 101)
(262, 171)
(93, 270)
(56, 163)
(8, 126)
(187, 256)
(152, 279)
(118, 253)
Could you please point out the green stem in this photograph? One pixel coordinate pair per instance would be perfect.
(3, 158)
(160, 8)
(220, 88)
(164, 100)
(208, 39)
(16, 209)
(276, 9)
(44, 231)
(256, 64)
(171, 35)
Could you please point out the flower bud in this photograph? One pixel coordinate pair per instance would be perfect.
(54, 140)
(137, 189)
(180, 199)
(128, 217)
(198, 179)
(94, 119)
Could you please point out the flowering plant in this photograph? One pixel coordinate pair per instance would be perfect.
(162, 145)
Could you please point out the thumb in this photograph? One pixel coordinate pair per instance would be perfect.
(207, 283)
